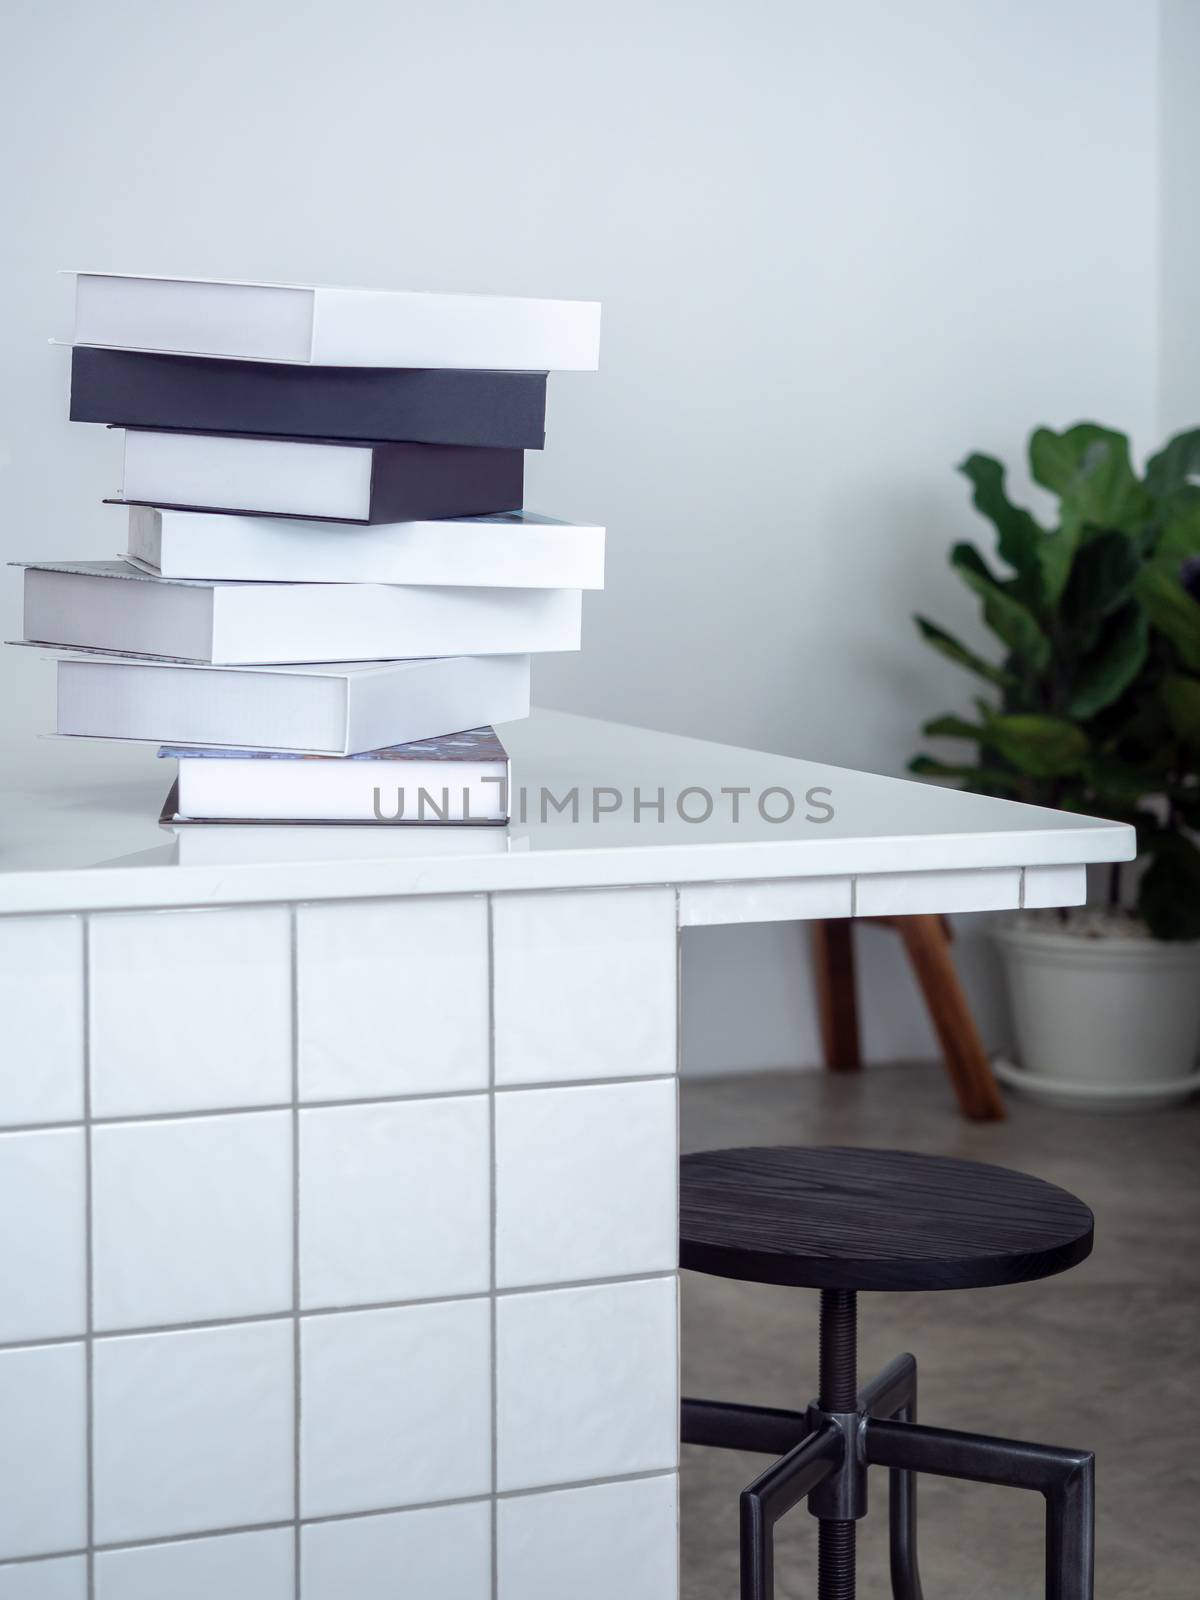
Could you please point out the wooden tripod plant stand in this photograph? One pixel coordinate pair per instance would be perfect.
(927, 944)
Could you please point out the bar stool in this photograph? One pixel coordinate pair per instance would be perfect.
(843, 1220)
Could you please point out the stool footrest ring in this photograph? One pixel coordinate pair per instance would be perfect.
(825, 1457)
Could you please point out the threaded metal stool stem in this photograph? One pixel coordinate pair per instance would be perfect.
(839, 1350)
(838, 1392)
(835, 1561)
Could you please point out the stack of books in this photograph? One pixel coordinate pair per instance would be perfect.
(331, 589)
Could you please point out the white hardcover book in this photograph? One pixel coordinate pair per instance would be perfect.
(515, 549)
(287, 476)
(197, 844)
(459, 778)
(338, 709)
(111, 605)
(388, 482)
(332, 327)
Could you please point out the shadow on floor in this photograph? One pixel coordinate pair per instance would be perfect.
(1105, 1357)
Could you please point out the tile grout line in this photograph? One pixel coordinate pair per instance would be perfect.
(351, 1309)
(89, 1273)
(294, 998)
(493, 1398)
(195, 1534)
(142, 1118)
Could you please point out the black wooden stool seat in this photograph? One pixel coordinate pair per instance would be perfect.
(838, 1218)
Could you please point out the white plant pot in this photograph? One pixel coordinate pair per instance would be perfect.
(1109, 1022)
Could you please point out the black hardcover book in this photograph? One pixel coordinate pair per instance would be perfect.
(326, 479)
(418, 404)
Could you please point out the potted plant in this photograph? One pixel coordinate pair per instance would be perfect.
(1093, 705)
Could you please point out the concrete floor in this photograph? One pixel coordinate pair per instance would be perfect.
(1105, 1357)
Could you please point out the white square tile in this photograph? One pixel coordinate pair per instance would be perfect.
(238, 1566)
(43, 1266)
(41, 1001)
(64, 1579)
(395, 1201)
(586, 1182)
(586, 1383)
(584, 985)
(437, 1553)
(393, 997)
(395, 1407)
(192, 1219)
(592, 1544)
(43, 1450)
(193, 1430)
(190, 1010)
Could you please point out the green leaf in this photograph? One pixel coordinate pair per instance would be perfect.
(1180, 537)
(1014, 623)
(1102, 579)
(1105, 675)
(1053, 460)
(970, 565)
(950, 727)
(1169, 894)
(1055, 556)
(1171, 475)
(946, 644)
(1088, 467)
(1171, 609)
(988, 780)
(1181, 696)
(1018, 534)
(1044, 747)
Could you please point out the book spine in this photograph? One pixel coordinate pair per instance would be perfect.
(190, 394)
(410, 482)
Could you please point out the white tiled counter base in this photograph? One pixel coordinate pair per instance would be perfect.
(337, 1240)
(338, 1251)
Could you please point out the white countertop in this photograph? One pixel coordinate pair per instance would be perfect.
(79, 827)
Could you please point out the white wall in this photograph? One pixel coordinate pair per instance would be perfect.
(838, 247)
(1179, 306)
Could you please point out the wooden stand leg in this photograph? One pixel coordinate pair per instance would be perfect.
(837, 999)
(927, 942)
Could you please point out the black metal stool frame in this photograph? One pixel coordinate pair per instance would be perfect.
(826, 1451)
